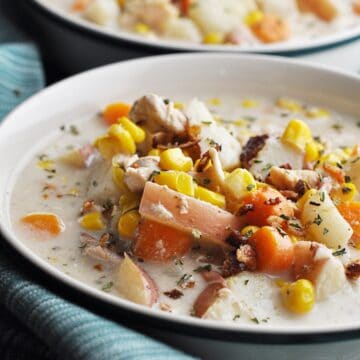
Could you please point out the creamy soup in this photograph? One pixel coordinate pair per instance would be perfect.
(244, 23)
(239, 210)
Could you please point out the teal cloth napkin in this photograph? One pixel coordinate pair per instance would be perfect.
(35, 323)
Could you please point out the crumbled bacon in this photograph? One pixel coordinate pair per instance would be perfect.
(286, 166)
(251, 149)
(174, 294)
(290, 195)
(232, 266)
(246, 254)
(273, 201)
(352, 270)
(235, 239)
(301, 187)
(246, 209)
(104, 239)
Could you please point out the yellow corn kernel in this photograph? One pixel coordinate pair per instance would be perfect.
(210, 196)
(241, 122)
(46, 164)
(312, 152)
(92, 221)
(137, 133)
(346, 192)
(142, 28)
(154, 152)
(253, 17)
(316, 113)
(128, 223)
(215, 101)
(118, 175)
(249, 230)
(121, 3)
(249, 103)
(299, 296)
(176, 180)
(213, 38)
(129, 201)
(294, 239)
(108, 146)
(124, 137)
(174, 159)
(239, 183)
(178, 105)
(289, 105)
(297, 134)
(301, 202)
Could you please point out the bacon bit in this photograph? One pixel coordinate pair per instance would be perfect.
(236, 239)
(273, 201)
(245, 209)
(87, 206)
(104, 239)
(174, 294)
(286, 166)
(336, 173)
(231, 266)
(205, 158)
(165, 307)
(352, 270)
(251, 149)
(98, 267)
(301, 187)
(290, 195)
(246, 254)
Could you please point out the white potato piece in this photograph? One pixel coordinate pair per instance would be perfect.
(219, 16)
(281, 8)
(315, 262)
(102, 12)
(323, 222)
(135, 284)
(182, 29)
(197, 113)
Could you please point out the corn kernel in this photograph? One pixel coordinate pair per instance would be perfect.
(249, 230)
(118, 175)
(299, 296)
(289, 105)
(249, 103)
(294, 239)
(142, 28)
(176, 180)
(312, 152)
(239, 183)
(128, 223)
(346, 192)
(124, 137)
(137, 133)
(129, 201)
(253, 17)
(174, 159)
(210, 196)
(107, 146)
(297, 134)
(178, 105)
(213, 38)
(316, 113)
(301, 202)
(154, 152)
(215, 101)
(46, 164)
(241, 122)
(92, 221)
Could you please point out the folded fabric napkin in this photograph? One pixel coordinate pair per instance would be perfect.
(35, 323)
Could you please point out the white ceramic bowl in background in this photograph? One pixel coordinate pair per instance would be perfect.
(78, 44)
(179, 76)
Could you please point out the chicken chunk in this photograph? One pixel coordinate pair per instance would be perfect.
(158, 115)
(323, 9)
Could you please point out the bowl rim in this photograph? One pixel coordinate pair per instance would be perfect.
(103, 34)
(186, 324)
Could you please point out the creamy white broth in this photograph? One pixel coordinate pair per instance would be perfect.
(257, 293)
(303, 26)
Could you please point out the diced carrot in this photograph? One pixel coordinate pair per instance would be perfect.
(271, 29)
(335, 172)
(46, 222)
(323, 9)
(207, 222)
(185, 6)
(274, 250)
(115, 111)
(259, 205)
(158, 242)
(356, 7)
(350, 211)
(80, 5)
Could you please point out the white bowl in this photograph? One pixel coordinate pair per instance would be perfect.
(85, 45)
(179, 76)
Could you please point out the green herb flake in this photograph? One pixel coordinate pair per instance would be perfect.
(246, 282)
(338, 127)
(339, 252)
(255, 320)
(107, 286)
(74, 130)
(184, 279)
(237, 316)
(318, 220)
(204, 268)
(325, 231)
(250, 187)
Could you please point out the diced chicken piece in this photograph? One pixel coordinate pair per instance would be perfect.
(154, 13)
(209, 222)
(211, 134)
(182, 29)
(102, 187)
(102, 12)
(81, 157)
(275, 153)
(135, 284)
(219, 16)
(139, 172)
(284, 179)
(156, 115)
(324, 9)
(239, 35)
(316, 263)
(124, 160)
(281, 8)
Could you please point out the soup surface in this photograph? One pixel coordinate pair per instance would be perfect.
(213, 22)
(241, 210)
